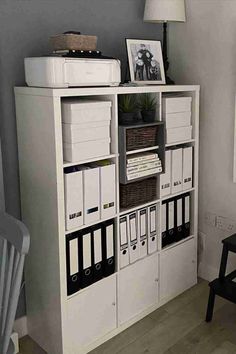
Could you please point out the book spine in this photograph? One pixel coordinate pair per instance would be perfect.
(133, 160)
(144, 173)
(143, 166)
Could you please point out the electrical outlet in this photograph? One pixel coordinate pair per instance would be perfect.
(202, 241)
(210, 219)
(225, 224)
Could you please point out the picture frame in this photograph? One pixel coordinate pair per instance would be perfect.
(145, 62)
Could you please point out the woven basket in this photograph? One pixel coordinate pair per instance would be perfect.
(140, 138)
(137, 193)
(73, 42)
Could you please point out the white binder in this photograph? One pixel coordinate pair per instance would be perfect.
(108, 191)
(177, 171)
(91, 195)
(73, 183)
(165, 178)
(133, 238)
(152, 226)
(124, 254)
(187, 168)
(142, 232)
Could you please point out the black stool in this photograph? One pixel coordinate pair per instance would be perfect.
(223, 286)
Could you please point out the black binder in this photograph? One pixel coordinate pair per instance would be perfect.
(170, 221)
(85, 255)
(179, 220)
(164, 212)
(108, 247)
(186, 214)
(97, 252)
(72, 263)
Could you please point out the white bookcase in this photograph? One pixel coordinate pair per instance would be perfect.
(79, 323)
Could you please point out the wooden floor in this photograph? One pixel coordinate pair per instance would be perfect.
(178, 327)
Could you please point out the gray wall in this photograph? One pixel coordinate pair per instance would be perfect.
(25, 26)
(203, 51)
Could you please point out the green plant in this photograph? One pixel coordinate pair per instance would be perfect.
(127, 104)
(147, 102)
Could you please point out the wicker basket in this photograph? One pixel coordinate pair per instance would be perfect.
(73, 42)
(137, 193)
(140, 138)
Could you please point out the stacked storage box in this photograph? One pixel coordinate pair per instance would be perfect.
(86, 129)
(177, 115)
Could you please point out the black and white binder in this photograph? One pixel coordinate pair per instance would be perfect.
(124, 252)
(133, 238)
(108, 247)
(186, 200)
(171, 222)
(152, 237)
(179, 230)
(86, 257)
(142, 232)
(164, 224)
(97, 253)
(72, 263)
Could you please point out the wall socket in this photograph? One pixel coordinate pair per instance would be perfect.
(210, 219)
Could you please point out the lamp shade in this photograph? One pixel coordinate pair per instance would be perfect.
(164, 11)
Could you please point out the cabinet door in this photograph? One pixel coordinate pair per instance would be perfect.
(178, 270)
(90, 315)
(138, 288)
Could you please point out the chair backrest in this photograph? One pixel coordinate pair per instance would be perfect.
(15, 241)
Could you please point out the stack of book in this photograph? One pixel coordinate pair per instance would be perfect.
(142, 165)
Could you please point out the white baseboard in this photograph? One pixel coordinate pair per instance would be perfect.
(20, 326)
(207, 272)
(15, 339)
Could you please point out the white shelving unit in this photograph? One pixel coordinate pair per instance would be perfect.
(79, 323)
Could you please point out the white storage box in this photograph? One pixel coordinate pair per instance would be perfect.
(76, 133)
(176, 104)
(85, 111)
(174, 135)
(176, 120)
(86, 150)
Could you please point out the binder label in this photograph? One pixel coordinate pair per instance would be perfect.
(187, 206)
(87, 262)
(123, 233)
(152, 219)
(133, 229)
(171, 216)
(97, 246)
(143, 224)
(110, 241)
(74, 257)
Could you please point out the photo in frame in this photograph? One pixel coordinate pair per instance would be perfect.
(145, 61)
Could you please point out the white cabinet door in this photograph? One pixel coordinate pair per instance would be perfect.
(138, 288)
(178, 270)
(90, 315)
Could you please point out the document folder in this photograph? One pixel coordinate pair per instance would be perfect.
(91, 195)
(179, 234)
(177, 171)
(133, 238)
(97, 253)
(108, 191)
(142, 232)
(187, 168)
(164, 224)
(72, 264)
(124, 254)
(86, 258)
(152, 237)
(186, 215)
(165, 178)
(73, 182)
(108, 247)
(171, 222)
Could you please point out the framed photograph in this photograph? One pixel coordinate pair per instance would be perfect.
(145, 61)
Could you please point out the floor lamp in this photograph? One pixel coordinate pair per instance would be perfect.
(164, 11)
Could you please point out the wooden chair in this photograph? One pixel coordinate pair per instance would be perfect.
(14, 245)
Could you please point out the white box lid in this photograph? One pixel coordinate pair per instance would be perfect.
(76, 105)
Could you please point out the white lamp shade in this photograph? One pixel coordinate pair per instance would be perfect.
(164, 11)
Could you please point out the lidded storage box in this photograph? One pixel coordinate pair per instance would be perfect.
(86, 129)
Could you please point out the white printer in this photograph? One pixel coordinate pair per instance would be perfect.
(59, 72)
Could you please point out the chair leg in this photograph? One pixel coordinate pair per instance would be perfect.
(210, 306)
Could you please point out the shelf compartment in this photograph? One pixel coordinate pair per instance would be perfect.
(170, 196)
(67, 232)
(69, 164)
(191, 141)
